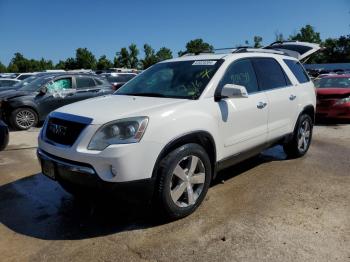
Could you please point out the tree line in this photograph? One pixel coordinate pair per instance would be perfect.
(335, 50)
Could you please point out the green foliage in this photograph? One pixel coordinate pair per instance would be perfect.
(70, 64)
(150, 57)
(103, 63)
(85, 59)
(133, 54)
(307, 34)
(3, 68)
(122, 58)
(60, 65)
(164, 54)
(196, 46)
(257, 41)
(127, 58)
(335, 50)
(21, 64)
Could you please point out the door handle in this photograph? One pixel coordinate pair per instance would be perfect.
(261, 105)
(292, 97)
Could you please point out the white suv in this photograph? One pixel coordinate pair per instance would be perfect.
(168, 131)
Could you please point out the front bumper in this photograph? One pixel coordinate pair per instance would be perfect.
(116, 163)
(341, 111)
(83, 176)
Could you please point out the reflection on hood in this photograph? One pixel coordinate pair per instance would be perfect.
(5, 95)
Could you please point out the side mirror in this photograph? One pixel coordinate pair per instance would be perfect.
(232, 90)
(43, 90)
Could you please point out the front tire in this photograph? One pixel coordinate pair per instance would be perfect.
(184, 179)
(301, 140)
(23, 118)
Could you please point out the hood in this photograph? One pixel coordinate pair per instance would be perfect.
(112, 107)
(8, 94)
(333, 91)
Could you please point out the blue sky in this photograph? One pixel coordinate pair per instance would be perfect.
(54, 29)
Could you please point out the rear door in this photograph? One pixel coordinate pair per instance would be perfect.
(299, 50)
(86, 88)
(281, 95)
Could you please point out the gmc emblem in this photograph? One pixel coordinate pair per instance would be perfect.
(57, 129)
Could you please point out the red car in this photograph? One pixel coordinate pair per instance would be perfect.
(333, 97)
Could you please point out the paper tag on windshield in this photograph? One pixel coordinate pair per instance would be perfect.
(204, 62)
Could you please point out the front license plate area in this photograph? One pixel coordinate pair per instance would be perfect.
(48, 169)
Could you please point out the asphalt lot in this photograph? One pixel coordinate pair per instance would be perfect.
(265, 209)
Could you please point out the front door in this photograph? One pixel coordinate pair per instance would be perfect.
(243, 123)
(60, 92)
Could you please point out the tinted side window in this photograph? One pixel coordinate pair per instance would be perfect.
(297, 70)
(84, 82)
(241, 73)
(270, 74)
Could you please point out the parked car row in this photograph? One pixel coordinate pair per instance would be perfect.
(23, 104)
(333, 97)
(27, 106)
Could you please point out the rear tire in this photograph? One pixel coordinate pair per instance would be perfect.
(23, 118)
(301, 140)
(184, 179)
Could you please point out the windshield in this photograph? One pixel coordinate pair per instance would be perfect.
(336, 82)
(36, 84)
(184, 79)
(25, 82)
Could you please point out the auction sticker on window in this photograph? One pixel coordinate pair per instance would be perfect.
(204, 62)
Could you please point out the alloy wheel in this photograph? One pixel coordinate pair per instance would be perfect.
(304, 135)
(187, 181)
(25, 119)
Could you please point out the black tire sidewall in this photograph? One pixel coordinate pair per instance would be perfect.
(292, 148)
(13, 118)
(167, 165)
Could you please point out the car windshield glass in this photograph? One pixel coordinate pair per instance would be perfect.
(184, 79)
(25, 82)
(36, 84)
(334, 82)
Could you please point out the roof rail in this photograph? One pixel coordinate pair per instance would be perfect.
(259, 50)
(281, 42)
(244, 49)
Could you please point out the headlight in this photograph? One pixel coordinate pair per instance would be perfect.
(123, 131)
(343, 101)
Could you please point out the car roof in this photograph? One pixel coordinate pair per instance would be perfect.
(10, 79)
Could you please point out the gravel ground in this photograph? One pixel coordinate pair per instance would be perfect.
(264, 209)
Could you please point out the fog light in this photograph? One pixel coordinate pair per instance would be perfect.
(114, 171)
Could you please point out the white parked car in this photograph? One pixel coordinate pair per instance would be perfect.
(23, 76)
(170, 130)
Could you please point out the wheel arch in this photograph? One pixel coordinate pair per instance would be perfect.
(203, 138)
(309, 110)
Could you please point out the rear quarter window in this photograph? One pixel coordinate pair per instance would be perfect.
(298, 70)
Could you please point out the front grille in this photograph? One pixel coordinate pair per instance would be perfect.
(326, 102)
(62, 131)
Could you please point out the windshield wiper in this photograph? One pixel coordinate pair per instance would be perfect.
(145, 94)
